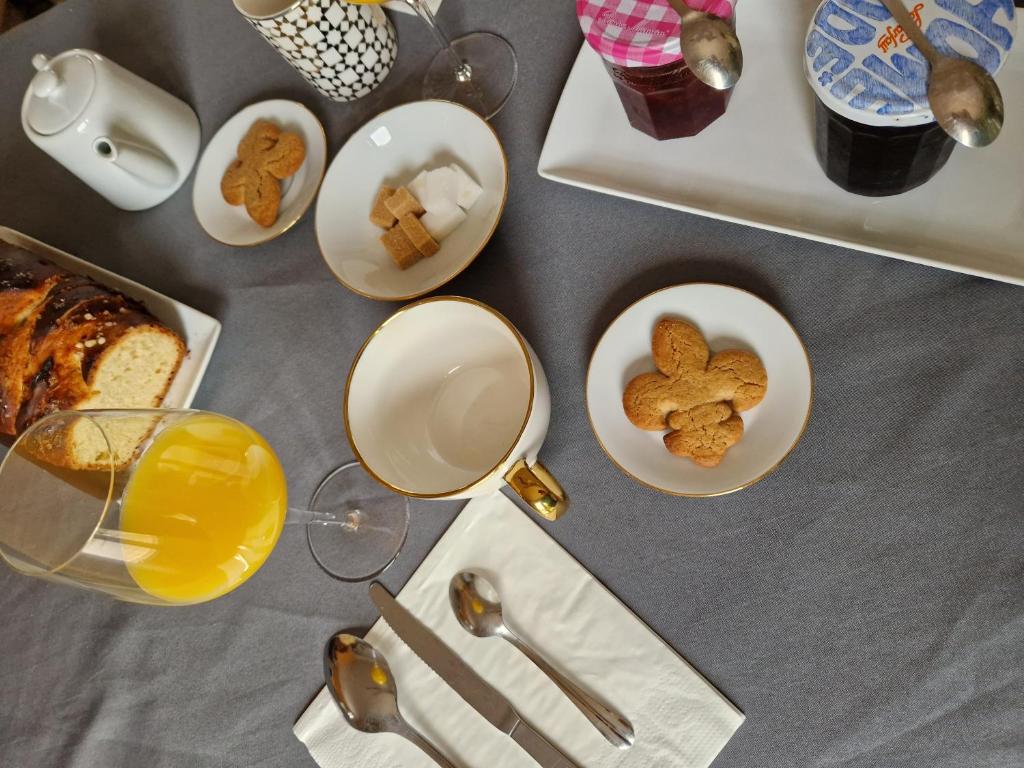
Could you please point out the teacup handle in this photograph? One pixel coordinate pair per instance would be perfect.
(538, 488)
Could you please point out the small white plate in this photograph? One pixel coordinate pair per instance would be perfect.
(391, 149)
(729, 318)
(199, 331)
(230, 224)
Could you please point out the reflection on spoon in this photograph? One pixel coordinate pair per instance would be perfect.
(963, 96)
(710, 47)
(477, 606)
(360, 679)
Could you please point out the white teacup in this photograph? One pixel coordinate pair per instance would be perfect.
(446, 400)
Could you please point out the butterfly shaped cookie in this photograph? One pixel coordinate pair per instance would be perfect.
(266, 155)
(695, 394)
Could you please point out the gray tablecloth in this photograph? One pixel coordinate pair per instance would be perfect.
(864, 605)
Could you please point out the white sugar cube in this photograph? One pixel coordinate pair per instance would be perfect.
(441, 190)
(468, 190)
(441, 223)
(418, 186)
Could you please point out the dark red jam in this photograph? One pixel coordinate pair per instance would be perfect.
(668, 101)
(878, 160)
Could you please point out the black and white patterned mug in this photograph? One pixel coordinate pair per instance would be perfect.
(343, 50)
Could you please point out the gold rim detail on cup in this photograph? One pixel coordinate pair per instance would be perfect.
(522, 429)
(471, 259)
(759, 478)
(273, 15)
(298, 216)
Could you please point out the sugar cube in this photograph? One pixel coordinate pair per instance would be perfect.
(418, 235)
(401, 249)
(418, 186)
(467, 190)
(442, 223)
(403, 202)
(442, 189)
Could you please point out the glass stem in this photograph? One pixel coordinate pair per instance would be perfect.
(463, 72)
(349, 521)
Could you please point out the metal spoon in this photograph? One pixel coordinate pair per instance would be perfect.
(361, 681)
(710, 47)
(478, 609)
(963, 96)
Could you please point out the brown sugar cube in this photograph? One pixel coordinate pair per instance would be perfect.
(418, 234)
(402, 251)
(380, 215)
(403, 202)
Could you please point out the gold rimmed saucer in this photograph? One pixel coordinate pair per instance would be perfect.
(230, 224)
(728, 317)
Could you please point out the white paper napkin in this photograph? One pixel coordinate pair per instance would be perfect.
(556, 605)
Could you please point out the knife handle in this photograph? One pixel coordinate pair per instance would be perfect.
(540, 749)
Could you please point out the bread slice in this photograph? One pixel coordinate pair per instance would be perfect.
(134, 372)
(68, 343)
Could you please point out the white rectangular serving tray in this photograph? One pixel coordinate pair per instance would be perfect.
(756, 165)
(199, 331)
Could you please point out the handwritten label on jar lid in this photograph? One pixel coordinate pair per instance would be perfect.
(639, 33)
(862, 65)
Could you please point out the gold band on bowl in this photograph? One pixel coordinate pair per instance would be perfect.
(471, 259)
(759, 478)
(522, 429)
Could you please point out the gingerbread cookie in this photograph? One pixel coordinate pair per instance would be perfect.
(695, 394)
(266, 155)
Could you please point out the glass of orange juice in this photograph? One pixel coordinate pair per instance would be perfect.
(164, 507)
(478, 70)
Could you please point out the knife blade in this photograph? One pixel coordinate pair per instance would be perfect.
(476, 691)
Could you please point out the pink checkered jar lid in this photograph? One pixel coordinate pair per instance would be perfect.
(639, 33)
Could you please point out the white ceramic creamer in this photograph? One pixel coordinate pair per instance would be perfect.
(132, 142)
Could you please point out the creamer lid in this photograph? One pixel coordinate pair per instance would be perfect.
(862, 65)
(639, 33)
(59, 92)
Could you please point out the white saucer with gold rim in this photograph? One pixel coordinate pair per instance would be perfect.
(392, 149)
(230, 224)
(729, 318)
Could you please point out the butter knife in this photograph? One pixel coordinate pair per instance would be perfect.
(477, 692)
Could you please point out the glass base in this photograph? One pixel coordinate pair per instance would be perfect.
(376, 524)
(493, 70)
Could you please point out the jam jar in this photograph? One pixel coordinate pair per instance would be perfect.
(874, 131)
(638, 40)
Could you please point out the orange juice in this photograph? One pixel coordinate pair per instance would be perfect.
(203, 509)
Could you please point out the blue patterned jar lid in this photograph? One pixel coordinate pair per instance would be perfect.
(862, 65)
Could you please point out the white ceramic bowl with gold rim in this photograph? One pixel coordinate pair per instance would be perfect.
(230, 224)
(729, 318)
(392, 149)
(446, 400)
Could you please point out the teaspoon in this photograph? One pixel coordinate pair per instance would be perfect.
(361, 681)
(478, 609)
(963, 96)
(710, 47)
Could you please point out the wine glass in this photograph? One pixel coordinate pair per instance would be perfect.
(175, 507)
(477, 70)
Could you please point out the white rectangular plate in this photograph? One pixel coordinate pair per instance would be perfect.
(199, 331)
(756, 164)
